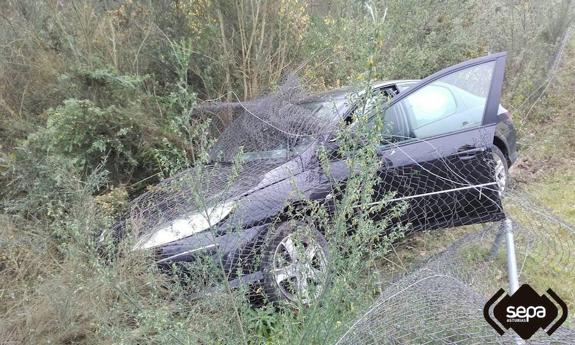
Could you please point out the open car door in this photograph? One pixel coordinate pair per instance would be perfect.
(436, 146)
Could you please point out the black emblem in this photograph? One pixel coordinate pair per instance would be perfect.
(525, 312)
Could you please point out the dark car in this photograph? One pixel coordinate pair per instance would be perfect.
(446, 147)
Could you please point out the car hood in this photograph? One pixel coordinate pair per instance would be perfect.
(278, 120)
(202, 187)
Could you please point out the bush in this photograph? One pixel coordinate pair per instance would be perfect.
(95, 99)
(130, 133)
(87, 134)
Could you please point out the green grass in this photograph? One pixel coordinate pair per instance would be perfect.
(557, 193)
(552, 262)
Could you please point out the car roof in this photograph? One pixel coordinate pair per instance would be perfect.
(346, 90)
(379, 84)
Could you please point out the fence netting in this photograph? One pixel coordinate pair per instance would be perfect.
(442, 300)
(302, 198)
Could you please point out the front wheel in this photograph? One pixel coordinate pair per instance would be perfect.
(295, 263)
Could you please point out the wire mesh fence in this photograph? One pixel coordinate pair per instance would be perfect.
(302, 197)
(442, 301)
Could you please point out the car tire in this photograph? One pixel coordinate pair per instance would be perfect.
(294, 263)
(501, 171)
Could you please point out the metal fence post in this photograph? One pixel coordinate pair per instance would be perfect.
(513, 276)
(511, 260)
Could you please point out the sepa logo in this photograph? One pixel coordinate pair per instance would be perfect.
(525, 312)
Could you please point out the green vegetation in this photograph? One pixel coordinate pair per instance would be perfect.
(96, 105)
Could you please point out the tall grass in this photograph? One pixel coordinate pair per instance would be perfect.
(95, 102)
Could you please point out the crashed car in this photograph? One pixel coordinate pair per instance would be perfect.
(446, 148)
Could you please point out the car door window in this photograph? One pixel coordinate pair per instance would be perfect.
(430, 104)
(448, 104)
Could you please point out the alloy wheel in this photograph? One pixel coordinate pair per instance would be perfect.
(299, 268)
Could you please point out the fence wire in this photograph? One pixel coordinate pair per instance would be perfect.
(441, 302)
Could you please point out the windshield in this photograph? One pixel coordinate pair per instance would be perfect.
(276, 130)
(282, 151)
(327, 109)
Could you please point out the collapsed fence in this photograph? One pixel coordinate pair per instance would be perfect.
(442, 301)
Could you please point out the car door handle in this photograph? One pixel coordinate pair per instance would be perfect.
(467, 152)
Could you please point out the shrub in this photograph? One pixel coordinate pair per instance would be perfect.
(127, 141)
(87, 134)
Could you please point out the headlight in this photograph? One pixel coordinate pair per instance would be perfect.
(186, 226)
